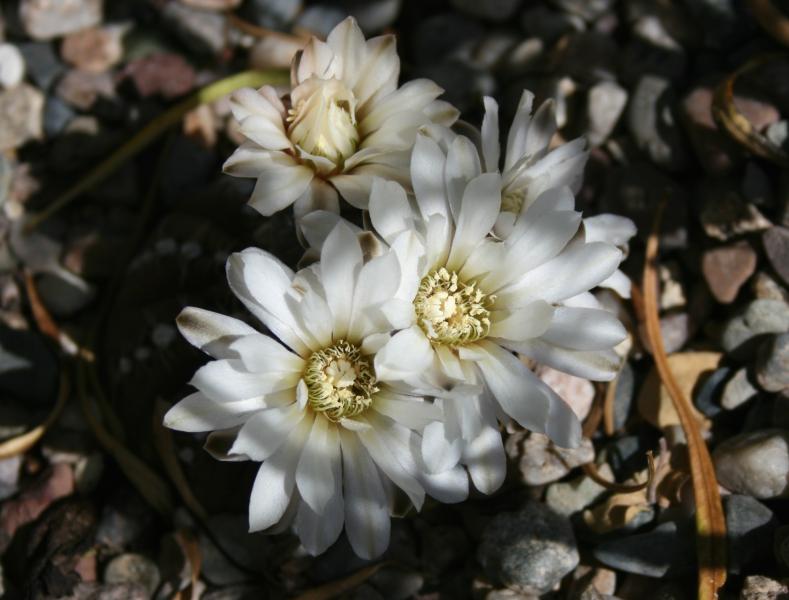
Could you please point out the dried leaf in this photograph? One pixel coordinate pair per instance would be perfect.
(335, 588)
(655, 404)
(710, 521)
(163, 440)
(191, 549)
(22, 443)
(736, 125)
(153, 130)
(621, 488)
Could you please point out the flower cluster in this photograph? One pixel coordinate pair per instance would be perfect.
(390, 362)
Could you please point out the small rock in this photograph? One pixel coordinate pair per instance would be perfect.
(219, 5)
(578, 393)
(738, 390)
(743, 333)
(397, 583)
(441, 36)
(549, 25)
(493, 10)
(320, 19)
(653, 125)
(725, 214)
(591, 57)
(605, 104)
(124, 523)
(82, 89)
(776, 246)
(727, 268)
(275, 14)
(748, 523)
(588, 10)
(765, 287)
(28, 368)
(623, 395)
(21, 112)
(653, 49)
(570, 497)
(529, 551)
(42, 63)
(772, 364)
(778, 133)
(95, 49)
(12, 66)
(373, 16)
(204, 32)
(271, 52)
(9, 476)
(133, 568)
(755, 463)
(57, 115)
(722, 23)
(756, 186)
(47, 19)
(708, 393)
(166, 74)
(666, 551)
(758, 587)
(540, 461)
(62, 297)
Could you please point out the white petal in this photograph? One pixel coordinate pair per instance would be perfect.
(341, 259)
(478, 213)
(461, 167)
(413, 95)
(198, 413)
(366, 512)
(379, 74)
(317, 59)
(319, 462)
(260, 353)
(250, 160)
(390, 211)
(318, 531)
(427, 176)
(411, 412)
(584, 329)
(247, 102)
(609, 228)
(516, 139)
(541, 130)
(601, 365)
(376, 284)
(619, 282)
(318, 196)
(529, 321)
(267, 132)
(318, 224)
(278, 189)
(490, 135)
(354, 187)
(227, 380)
(346, 41)
(407, 353)
(211, 332)
(266, 431)
(439, 453)
(486, 461)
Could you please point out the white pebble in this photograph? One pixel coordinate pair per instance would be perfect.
(12, 66)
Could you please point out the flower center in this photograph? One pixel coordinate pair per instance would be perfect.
(512, 200)
(340, 381)
(323, 119)
(451, 312)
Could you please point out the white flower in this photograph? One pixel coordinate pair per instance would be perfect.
(482, 299)
(333, 436)
(344, 121)
(530, 169)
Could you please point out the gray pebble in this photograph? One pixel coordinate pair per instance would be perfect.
(529, 551)
(133, 568)
(748, 523)
(755, 463)
(738, 390)
(741, 334)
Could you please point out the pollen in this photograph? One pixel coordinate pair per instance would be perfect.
(451, 312)
(340, 382)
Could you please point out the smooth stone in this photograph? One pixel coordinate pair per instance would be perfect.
(588, 10)
(624, 395)
(217, 5)
(133, 568)
(756, 186)
(707, 394)
(274, 14)
(28, 369)
(12, 66)
(491, 10)
(10, 470)
(591, 57)
(529, 551)
(743, 333)
(765, 287)
(759, 587)
(606, 102)
(168, 75)
(57, 115)
(570, 497)
(549, 25)
(82, 89)
(47, 19)
(755, 463)
(577, 392)
(43, 65)
(63, 298)
(725, 214)
(652, 123)
(738, 390)
(723, 23)
(374, 15)
(776, 247)
(772, 364)
(95, 49)
(443, 35)
(727, 268)
(21, 116)
(540, 461)
(320, 19)
(748, 524)
(204, 32)
(667, 550)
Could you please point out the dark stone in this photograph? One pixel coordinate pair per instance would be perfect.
(709, 391)
(748, 524)
(28, 368)
(42, 63)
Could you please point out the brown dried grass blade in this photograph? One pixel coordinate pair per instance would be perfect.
(24, 442)
(736, 125)
(191, 548)
(772, 19)
(710, 521)
(163, 440)
(333, 589)
(621, 488)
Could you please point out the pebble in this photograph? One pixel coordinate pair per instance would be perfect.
(529, 551)
(707, 393)
(570, 497)
(743, 332)
(765, 287)
(124, 523)
(759, 587)
(748, 524)
(738, 390)
(271, 52)
(219, 5)
(723, 23)
(166, 74)
(590, 57)
(725, 214)
(62, 297)
(57, 115)
(204, 32)
(81, 89)
(43, 65)
(578, 393)
(320, 19)
(776, 247)
(652, 122)
(588, 10)
(133, 568)
(12, 66)
(9, 476)
(605, 103)
(274, 14)
(540, 21)
(624, 395)
(95, 49)
(772, 364)
(47, 19)
(755, 463)
(665, 551)
(491, 10)
(756, 186)
(727, 268)
(540, 461)
(28, 369)
(373, 15)
(21, 116)
(438, 37)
